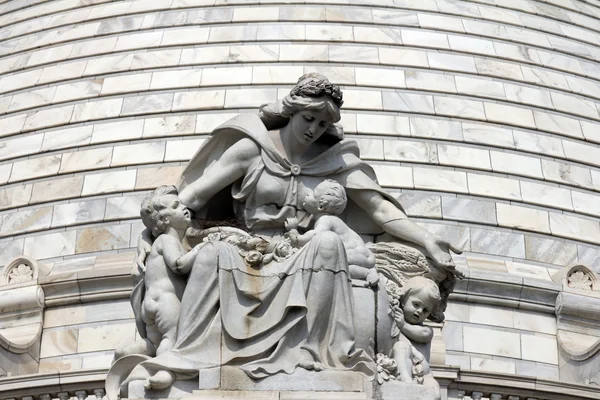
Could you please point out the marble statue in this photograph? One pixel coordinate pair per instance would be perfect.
(268, 301)
(328, 201)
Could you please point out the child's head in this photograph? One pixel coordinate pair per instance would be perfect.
(162, 209)
(419, 297)
(329, 197)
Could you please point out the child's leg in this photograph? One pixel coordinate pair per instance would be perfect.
(402, 353)
(166, 321)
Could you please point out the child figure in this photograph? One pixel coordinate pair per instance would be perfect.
(325, 204)
(419, 297)
(161, 290)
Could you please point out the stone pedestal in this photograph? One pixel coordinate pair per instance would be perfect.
(394, 390)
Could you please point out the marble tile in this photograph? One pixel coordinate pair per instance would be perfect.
(575, 227)
(143, 153)
(35, 168)
(195, 100)
(123, 207)
(550, 251)
(589, 256)
(525, 218)
(539, 348)
(516, 164)
(167, 126)
(382, 124)
(540, 144)
(401, 56)
(409, 151)
(446, 23)
(254, 53)
(439, 179)
(379, 35)
(25, 221)
(10, 249)
(583, 152)
(256, 14)
(480, 87)
(174, 37)
(380, 77)
(546, 195)
(138, 40)
(469, 210)
(464, 156)
(347, 14)
(591, 131)
(435, 128)
(97, 110)
(545, 77)
(93, 47)
(497, 242)
(46, 118)
(20, 80)
(397, 101)
(420, 38)
(12, 125)
(58, 342)
(153, 103)
(50, 245)
(528, 95)
(557, 61)
(304, 52)
(15, 147)
(460, 235)
(235, 98)
(487, 66)
(430, 81)
(517, 52)
(301, 13)
(485, 364)
(330, 33)
(459, 107)
(558, 124)
(585, 203)
(343, 75)
(150, 178)
(394, 176)
(182, 150)
(285, 32)
(106, 64)
(485, 263)
(155, 58)
(209, 14)
(574, 105)
(363, 99)
(126, 83)
(5, 171)
(86, 160)
(164, 19)
(176, 79)
(471, 45)
(117, 131)
(503, 113)
(566, 173)
(239, 33)
(104, 238)
(104, 337)
(32, 98)
(493, 342)
(205, 123)
(350, 53)
(108, 182)
(227, 76)
(58, 364)
(55, 189)
(78, 213)
(78, 90)
(421, 204)
(120, 24)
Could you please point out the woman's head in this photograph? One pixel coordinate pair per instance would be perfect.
(312, 108)
(419, 297)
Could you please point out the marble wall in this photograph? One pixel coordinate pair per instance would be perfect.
(482, 116)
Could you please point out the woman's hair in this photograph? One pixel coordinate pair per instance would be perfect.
(333, 198)
(313, 91)
(152, 206)
(419, 284)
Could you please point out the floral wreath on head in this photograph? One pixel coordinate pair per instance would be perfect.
(314, 84)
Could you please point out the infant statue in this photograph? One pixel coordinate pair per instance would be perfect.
(325, 204)
(168, 219)
(418, 298)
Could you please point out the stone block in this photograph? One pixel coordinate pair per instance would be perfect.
(15, 196)
(516, 164)
(35, 168)
(421, 38)
(86, 160)
(48, 117)
(12, 125)
(535, 322)
(558, 124)
(538, 143)
(108, 182)
(143, 153)
(401, 56)
(486, 364)
(382, 124)
(176, 79)
(488, 134)
(103, 238)
(182, 150)
(394, 176)
(59, 364)
(126, 83)
(154, 103)
(471, 45)
(550, 251)
(155, 58)
(451, 62)
(418, 103)
(480, 87)
(178, 390)
(204, 55)
(150, 178)
(78, 213)
(55, 73)
(528, 95)
(139, 40)
(235, 98)
(502, 113)
(123, 207)
(25, 221)
(104, 337)
(575, 228)
(347, 53)
(410, 151)
(439, 179)
(78, 90)
(97, 110)
(164, 126)
(185, 36)
(9, 249)
(377, 35)
(235, 33)
(522, 218)
(382, 77)
(464, 156)
(55, 189)
(497, 242)
(539, 348)
(227, 76)
(469, 210)
(197, 100)
(233, 378)
(58, 342)
(492, 342)
(395, 390)
(436, 128)
(489, 315)
(566, 173)
(50, 245)
(421, 204)
(117, 131)
(64, 138)
(32, 98)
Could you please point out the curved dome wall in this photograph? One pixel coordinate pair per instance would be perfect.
(481, 116)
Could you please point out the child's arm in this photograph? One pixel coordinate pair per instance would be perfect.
(175, 255)
(417, 333)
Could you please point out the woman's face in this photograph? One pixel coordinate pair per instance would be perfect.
(308, 125)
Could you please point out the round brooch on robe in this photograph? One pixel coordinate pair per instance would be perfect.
(295, 169)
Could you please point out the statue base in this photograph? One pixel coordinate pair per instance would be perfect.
(394, 390)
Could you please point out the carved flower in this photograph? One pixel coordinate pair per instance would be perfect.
(283, 250)
(580, 280)
(253, 258)
(212, 237)
(22, 273)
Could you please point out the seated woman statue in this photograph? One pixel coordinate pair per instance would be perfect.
(294, 312)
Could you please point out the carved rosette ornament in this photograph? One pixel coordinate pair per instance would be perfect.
(21, 273)
(580, 280)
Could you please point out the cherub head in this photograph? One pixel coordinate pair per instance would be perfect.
(329, 197)
(163, 209)
(419, 297)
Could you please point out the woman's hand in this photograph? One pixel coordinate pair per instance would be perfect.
(439, 251)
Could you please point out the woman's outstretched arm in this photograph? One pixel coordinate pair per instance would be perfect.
(395, 222)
